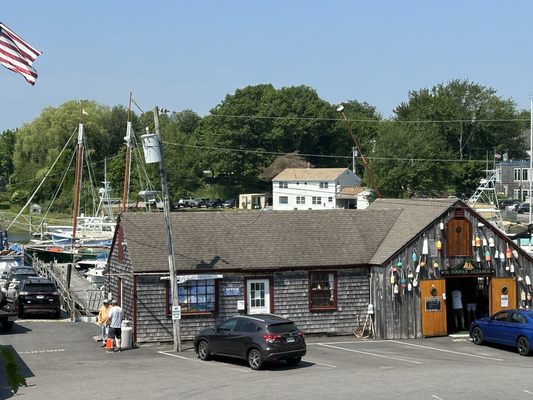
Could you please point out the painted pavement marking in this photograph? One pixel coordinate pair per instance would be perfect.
(528, 392)
(203, 362)
(436, 397)
(446, 351)
(369, 354)
(41, 351)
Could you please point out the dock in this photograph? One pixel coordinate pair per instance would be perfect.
(78, 295)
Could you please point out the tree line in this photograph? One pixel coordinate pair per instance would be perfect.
(436, 143)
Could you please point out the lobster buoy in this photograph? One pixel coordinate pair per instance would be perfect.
(487, 255)
(478, 241)
(508, 253)
(425, 247)
(491, 242)
(413, 257)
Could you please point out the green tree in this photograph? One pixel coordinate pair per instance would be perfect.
(7, 147)
(472, 120)
(39, 143)
(245, 132)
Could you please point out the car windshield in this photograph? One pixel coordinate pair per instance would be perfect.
(40, 287)
(283, 327)
(20, 277)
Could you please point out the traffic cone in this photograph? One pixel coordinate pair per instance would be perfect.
(109, 344)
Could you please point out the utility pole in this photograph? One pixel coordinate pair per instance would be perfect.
(354, 155)
(149, 146)
(366, 165)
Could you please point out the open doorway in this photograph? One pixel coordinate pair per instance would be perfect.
(467, 299)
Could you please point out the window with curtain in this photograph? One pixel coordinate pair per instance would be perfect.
(322, 291)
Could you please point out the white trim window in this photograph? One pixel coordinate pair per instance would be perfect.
(517, 173)
(317, 200)
(525, 174)
(283, 185)
(323, 185)
(283, 199)
(300, 199)
(330, 199)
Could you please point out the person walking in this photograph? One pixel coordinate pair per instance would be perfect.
(115, 325)
(103, 320)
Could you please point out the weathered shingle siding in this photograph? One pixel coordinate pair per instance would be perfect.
(121, 270)
(290, 300)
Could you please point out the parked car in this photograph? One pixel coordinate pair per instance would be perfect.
(214, 203)
(188, 202)
(509, 204)
(17, 275)
(523, 208)
(508, 327)
(38, 295)
(257, 338)
(230, 203)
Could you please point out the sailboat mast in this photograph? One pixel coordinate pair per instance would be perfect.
(77, 182)
(127, 164)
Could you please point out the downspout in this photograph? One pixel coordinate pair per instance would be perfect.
(134, 309)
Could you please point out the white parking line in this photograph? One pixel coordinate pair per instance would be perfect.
(445, 351)
(218, 365)
(528, 392)
(369, 354)
(436, 397)
(318, 363)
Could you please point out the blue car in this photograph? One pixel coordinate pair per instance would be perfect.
(508, 327)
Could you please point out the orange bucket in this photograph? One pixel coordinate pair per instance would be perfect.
(109, 343)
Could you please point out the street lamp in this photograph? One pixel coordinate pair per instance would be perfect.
(366, 165)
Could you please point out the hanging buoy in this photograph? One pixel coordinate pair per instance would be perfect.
(522, 295)
(410, 275)
(478, 258)
(497, 255)
(473, 241)
(491, 242)
(478, 241)
(487, 255)
(392, 279)
(502, 257)
(446, 264)
(515, 253)
(436, 265)
(520, 279)
(399, 264)
(396, 288)
(507, 267)
(439, 245)
(425, 247)
(418, 268)
(409, 287)
(415, 281)
(528, 280)
(511, 268)
(508, 253)
(485, 244)
(529, 297)
(413, 257)
(441, 225)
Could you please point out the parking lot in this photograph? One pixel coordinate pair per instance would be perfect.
(61, 360)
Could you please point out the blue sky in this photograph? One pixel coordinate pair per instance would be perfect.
(190, 55)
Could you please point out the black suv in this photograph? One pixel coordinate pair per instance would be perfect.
(38, 295)
(256, 338)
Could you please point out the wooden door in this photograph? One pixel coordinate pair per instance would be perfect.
(502, 294)
(258, 296)
(433, 307)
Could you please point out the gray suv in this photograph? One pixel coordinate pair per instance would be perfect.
(256, 338)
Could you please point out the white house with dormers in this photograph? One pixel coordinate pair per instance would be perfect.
(315, 189)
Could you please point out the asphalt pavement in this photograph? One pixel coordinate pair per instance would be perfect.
(61, 360)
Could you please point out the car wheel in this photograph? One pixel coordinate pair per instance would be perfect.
(294, 360)
(522, 344)
(477, 335)
(203, 350)
(255, 359)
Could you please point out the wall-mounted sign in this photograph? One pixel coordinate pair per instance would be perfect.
(231, 291)
(504, 300)
(433, 304)
(176, 312)
(185, 278)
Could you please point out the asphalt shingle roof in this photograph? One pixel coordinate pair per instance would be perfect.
(416, 214)
(309, 174)
(256, 240)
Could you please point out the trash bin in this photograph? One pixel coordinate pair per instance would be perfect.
(127, 335)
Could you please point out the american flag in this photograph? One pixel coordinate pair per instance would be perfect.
(17, 55)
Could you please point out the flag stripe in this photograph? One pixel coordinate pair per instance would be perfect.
(17, 55)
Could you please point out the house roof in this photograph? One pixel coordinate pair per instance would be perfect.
(279, 239)
(416, 214)
(256, 240)
(309, 174)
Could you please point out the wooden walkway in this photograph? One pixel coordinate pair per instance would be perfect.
(78, 294)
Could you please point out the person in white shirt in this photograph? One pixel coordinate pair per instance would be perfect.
(115, 325)
(457, 306)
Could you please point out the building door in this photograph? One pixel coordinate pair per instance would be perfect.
(502, 294)
(433, 307)
(258, 296)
